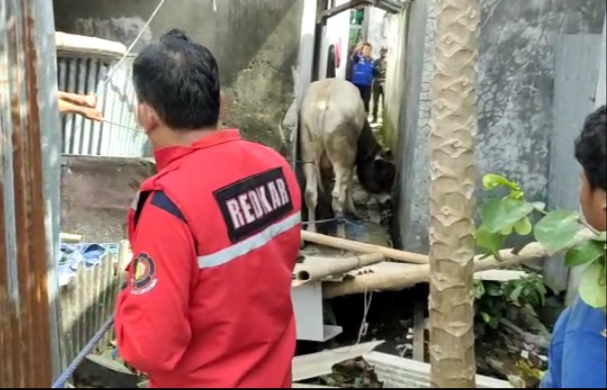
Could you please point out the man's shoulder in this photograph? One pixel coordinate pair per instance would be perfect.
(585, 348)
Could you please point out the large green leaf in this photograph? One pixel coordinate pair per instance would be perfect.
(499, 214)
(557, 229)
(586, 251)
(593, 289)
(490, 242)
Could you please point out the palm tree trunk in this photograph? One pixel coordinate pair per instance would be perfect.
(452, 138)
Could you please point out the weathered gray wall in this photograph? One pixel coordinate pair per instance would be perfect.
(256, 43)
(576, 73)
(516, 76)
(578, 90)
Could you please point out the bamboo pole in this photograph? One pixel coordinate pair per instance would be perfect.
(335, 266)
(361, 247)
(421, 273)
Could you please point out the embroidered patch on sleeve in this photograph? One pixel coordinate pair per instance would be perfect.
(144, 274)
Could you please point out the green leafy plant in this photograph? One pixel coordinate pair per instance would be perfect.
(557, 231)
(495, 301)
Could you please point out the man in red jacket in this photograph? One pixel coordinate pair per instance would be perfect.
(215, 236)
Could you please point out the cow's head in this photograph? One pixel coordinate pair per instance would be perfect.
(377, 175)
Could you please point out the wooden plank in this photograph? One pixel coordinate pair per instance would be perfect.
(324, 15)
(419, 330)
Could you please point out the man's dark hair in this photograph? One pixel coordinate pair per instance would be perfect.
(180, 80)
(591, 149)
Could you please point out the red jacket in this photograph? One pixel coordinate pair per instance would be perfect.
(215, 237)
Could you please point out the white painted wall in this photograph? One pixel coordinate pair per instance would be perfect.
(376, 34)
(336, 33)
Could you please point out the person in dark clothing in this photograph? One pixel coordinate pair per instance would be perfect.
(379, 80)
(363, 73)
(331, 62)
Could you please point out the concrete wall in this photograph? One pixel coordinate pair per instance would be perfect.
(375, 29)
(576, 73)
(516, 76)
(578, 91)
(256, 43)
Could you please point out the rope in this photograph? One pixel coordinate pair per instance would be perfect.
(88, 348)
(346, 220)
(132, 45)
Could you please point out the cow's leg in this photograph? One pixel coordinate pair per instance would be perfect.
(350, 207)
(311, 194)
(339, 194)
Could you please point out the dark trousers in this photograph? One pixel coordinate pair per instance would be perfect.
(378, 91)
(365, 94)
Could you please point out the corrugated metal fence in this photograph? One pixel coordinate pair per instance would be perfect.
(28, 198)
(82, 73)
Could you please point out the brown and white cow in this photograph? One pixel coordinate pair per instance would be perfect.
(335, 135)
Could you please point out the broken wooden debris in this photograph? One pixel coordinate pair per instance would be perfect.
(420, 273)
(397, 372)
(538, 341)
(318, 364)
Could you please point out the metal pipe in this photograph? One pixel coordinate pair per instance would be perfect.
(88, 348)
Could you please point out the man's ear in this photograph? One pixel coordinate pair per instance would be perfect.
(147, 117)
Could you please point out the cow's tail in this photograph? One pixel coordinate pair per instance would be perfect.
(323, 107)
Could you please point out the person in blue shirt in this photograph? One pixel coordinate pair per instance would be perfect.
(363, 72)
(577, 357)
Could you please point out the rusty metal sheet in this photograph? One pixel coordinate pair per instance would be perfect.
(26, 339)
